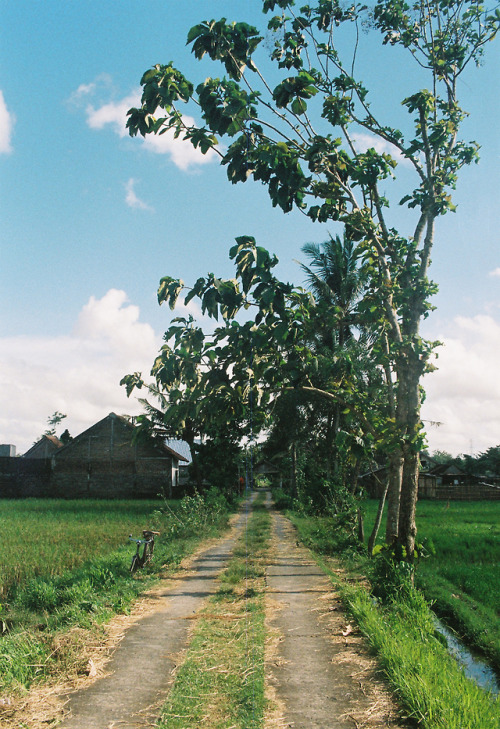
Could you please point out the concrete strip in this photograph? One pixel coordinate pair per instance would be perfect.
(315, 679)
(140, 671)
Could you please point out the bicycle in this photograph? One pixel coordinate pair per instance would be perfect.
(148, 542)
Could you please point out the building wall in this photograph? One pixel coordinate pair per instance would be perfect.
(19, 477)
(103, 462)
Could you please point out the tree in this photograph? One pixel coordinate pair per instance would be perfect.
(299, 138)
(191, 392)
(489, 462)
(53, 421)
(251, 375)
(334, 276)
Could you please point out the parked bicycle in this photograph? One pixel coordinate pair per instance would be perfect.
(144, 556)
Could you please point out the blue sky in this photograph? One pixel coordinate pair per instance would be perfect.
(91, 219)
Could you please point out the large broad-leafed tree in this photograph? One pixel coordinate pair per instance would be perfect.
(300, 136)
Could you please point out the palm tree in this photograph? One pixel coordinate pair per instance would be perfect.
(336, 280)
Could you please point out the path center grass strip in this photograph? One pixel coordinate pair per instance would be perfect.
(220, 685)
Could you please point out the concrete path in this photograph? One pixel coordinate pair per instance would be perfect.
(141, 670)
(322, 678)
(321, 674)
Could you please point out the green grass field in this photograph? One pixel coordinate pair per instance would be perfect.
(462, 576)
(46, 537)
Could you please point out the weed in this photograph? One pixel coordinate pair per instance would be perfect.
(462, 577)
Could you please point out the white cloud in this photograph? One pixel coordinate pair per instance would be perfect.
(113, 114)
(495, 272)
(6, 126)
(131, 197)
(77, 374)
(183, 154)
(464, 393)
(362, 142)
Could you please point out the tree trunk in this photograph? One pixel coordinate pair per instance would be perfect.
(393, 495)
(409, 418)
(378, 519)
(407, 508)
(393, 486)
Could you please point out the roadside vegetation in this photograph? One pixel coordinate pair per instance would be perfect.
(399, 624)
(56, 601)
(221, 682)
(461, 576)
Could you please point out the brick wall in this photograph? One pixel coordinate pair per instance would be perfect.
(19, 477)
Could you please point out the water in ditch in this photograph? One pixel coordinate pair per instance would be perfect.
(475, 667)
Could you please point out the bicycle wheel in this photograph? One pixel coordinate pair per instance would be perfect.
(135, 564)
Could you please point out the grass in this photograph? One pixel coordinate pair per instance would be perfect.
(462, 577)
(220, 685)
(48, 615)
(427, 681)
(46, 537)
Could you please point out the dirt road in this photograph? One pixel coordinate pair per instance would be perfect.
(319, 673)
(141, 670)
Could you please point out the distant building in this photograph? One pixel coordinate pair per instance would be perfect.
(44, 448)
(107, 460)
(7, 451)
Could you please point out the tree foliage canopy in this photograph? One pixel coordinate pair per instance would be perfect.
(299, 135)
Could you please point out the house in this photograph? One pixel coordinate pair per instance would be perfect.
(182, 448)
(269, 470)
(7, 450)
(109, 460)
(374, 481)
(435, 481)
(44, 448)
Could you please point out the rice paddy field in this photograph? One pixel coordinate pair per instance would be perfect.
(461, 575)
(47, 537)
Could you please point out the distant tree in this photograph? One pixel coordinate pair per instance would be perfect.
(53, 421)
(65, 437)
(442, 457)
(488, 462)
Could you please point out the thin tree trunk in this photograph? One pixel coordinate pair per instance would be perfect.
(294, 471)
(361, 526)
(393, 495)
(378, 519)
(393, 486)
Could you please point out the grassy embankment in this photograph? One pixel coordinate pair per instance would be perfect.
(462, 576)
(66, 573)
(220, 685)
(429, 684)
